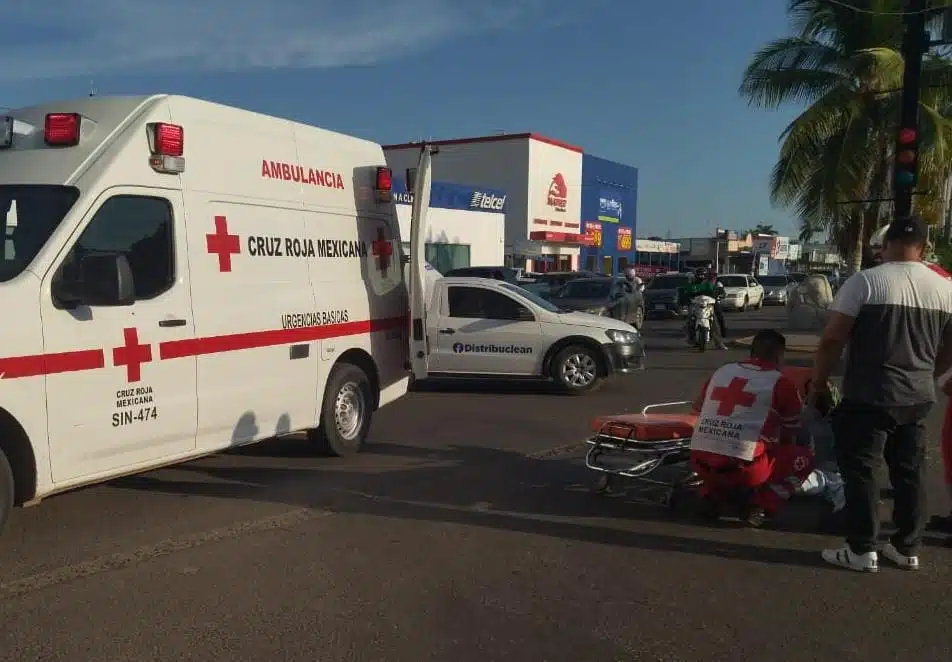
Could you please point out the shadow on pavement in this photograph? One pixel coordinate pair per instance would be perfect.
(521, 494)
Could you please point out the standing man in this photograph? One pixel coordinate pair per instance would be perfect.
(895, 321)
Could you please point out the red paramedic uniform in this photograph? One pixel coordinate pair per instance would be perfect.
(736, 444)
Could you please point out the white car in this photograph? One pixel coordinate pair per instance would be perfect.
(742, 290)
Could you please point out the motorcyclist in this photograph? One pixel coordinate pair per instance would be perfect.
(706, 284)
(637, 285)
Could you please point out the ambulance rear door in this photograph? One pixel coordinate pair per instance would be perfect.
(422, 186)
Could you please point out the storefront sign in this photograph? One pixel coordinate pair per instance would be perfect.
(609, 207)
(652, 246)
(594, 232)
(624, 239)
(558, 194)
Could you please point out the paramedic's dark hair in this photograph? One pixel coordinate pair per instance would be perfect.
(768, 345)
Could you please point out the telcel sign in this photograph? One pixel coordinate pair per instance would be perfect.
(481, 200)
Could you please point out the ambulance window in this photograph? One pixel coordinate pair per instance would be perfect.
(139, 227)
(477, 303)
(29, 214)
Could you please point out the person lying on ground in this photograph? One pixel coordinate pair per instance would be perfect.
(744, 446)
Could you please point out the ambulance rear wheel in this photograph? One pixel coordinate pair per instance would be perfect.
(7, 494)
(346, 412)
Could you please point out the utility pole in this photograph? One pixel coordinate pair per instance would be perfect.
(914, 45)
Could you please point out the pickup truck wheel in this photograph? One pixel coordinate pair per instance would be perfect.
(575, 369)
(638, 318)
(345, 414)
(7, 494)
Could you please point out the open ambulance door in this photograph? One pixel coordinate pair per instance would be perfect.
(422, 182)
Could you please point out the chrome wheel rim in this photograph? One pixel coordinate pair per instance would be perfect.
(579, 370)
(349, 408)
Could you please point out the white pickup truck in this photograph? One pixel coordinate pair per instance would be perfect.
(478, 327)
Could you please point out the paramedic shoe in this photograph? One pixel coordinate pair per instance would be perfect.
(755, 518)
(845, 558)
(904, 561)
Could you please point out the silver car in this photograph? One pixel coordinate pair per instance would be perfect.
(776, 289)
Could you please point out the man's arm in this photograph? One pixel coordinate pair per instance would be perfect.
(846, 306)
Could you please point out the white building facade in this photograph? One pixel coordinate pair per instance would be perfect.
(542, 181)
(466, 224)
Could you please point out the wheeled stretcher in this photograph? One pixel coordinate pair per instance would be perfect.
(653, 447)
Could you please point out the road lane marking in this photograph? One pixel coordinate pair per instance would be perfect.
(121, 560)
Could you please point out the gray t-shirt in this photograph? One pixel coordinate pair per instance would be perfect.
(903, 313)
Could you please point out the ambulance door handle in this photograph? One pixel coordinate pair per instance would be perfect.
(447, 332)
(175, 322)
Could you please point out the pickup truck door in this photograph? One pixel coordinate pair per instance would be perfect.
(419, 344)
(484, 331)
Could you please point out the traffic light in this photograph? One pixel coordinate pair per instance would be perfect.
(907, 158)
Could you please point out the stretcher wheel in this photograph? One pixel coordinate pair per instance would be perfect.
(603, 485)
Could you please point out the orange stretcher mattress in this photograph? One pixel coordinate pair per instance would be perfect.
(662, 427)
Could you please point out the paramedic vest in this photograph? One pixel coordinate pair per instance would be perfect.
(738, 400)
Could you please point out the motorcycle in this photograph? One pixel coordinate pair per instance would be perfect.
(700, 320)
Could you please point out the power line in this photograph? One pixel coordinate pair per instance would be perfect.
(862, 10)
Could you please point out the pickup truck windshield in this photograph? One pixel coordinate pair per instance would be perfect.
(668, 282)
(30, 214)
(534, 298)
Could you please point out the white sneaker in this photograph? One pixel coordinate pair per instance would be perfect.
(845, 558)
(901, 560)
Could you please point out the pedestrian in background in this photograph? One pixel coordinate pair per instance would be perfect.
(895, 321)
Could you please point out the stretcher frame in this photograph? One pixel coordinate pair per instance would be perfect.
(610, 442)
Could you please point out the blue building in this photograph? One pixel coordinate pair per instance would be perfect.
(609, 214)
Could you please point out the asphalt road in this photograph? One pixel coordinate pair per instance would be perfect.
(467, 532)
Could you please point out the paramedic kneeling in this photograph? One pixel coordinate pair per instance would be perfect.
(743, 447)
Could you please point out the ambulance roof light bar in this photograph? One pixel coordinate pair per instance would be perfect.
(62, 129)
(166, 147)
(383, 186)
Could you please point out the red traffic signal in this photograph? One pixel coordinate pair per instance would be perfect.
(907, 136)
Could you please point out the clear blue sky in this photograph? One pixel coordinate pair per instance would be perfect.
(649, 84)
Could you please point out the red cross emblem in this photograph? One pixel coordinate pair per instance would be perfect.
(732, 396)
(382, 250)
(222, 244)
(132, 355)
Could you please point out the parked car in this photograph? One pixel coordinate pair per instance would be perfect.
(776, 288)
(547, 284)
(742, 290)
(611, 296)
(661, 294)
(505, 274)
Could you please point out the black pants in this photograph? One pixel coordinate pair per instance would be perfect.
(864, 434)
(720, 320)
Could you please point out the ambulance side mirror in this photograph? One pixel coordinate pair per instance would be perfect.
(102, 279)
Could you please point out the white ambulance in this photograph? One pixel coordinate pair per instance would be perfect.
(179, 277)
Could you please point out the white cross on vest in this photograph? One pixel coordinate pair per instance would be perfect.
(738, 400)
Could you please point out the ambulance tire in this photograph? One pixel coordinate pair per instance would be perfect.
(348, 388)
(7, 490)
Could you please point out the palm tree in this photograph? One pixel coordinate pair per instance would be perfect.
(835, 162)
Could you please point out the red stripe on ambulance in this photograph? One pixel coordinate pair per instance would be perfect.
(15, 367)
(131, 355)
(175, 349)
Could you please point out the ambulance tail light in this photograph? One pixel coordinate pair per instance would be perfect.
(166, 147)
(384, 185)
(62, 129)
(6, 132)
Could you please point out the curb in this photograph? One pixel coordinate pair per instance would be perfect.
(806, 349)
